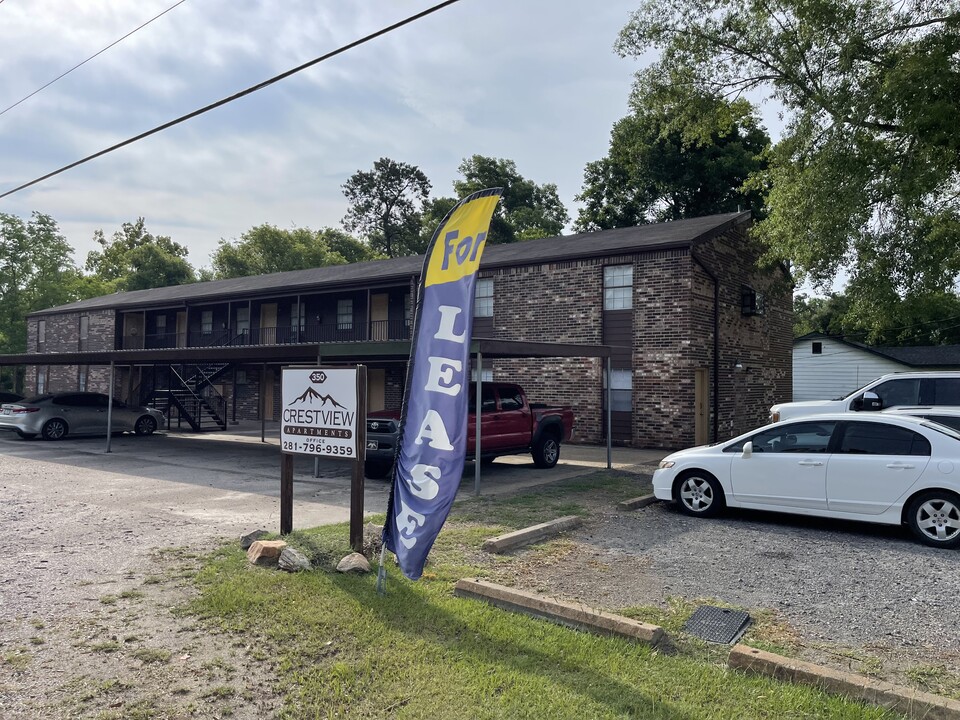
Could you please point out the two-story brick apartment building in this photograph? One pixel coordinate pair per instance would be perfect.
(701, 338)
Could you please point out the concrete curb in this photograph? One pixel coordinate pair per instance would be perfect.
(580, 617)
(912, 703)
(637, 502)
(532, 534)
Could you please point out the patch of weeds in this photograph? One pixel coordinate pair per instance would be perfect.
(38, 623)
(218, 665)
(221, 692)
(37, 640)
(153, 580)
(131, 594)
(140, 710)
(19, 659)
(91, 689)
(934, 678)
(108, 646)
(108, 600)
(180, 691)
(152, 655)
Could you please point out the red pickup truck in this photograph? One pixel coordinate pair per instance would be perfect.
(509, 425)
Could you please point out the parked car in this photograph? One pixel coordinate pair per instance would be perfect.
(509, 425)
(944, 414)
(892, 390)
(54, 416)
(6, 397)
(880, 468)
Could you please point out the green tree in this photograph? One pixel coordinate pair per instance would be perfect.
(36, 272)
(654, 171)
(133, 259)
(864, 178)
(386, 205)
(268, 249)
(526, 211)
(434, 212)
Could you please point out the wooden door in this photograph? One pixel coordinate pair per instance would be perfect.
(376, 389)
(701, 393)
(379, 315)
(268, 324)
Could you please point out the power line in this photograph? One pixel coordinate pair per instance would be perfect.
(115, 42)
(237, 96)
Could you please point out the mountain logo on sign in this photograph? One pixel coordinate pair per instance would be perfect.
(309, 395)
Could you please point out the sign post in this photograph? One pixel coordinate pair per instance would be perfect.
(324, 415)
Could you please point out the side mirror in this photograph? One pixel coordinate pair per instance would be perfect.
(871, 401)
(747, 449)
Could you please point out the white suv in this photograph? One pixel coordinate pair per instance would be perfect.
(894, 390)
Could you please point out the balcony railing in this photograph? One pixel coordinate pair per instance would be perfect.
(374, 331)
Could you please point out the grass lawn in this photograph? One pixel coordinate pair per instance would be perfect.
(340, 650)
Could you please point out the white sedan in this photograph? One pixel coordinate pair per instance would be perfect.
(889, 469)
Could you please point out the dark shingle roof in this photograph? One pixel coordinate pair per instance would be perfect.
(917, 356)
(679, 233)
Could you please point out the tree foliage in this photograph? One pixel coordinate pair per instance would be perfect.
(656, 170)
(386, 205)
(133, 259)
(865, 177)
(36, 272)
(269, 249)
(526, 211)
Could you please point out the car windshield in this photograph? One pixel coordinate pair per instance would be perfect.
(851, 394)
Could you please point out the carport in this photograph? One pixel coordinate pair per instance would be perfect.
(279, 356)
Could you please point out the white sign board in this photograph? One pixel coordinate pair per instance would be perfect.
(319, 412)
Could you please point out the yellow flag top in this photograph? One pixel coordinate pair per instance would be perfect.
(460, 241)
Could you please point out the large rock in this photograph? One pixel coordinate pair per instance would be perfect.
(265, 552)
(293, 560)
(354, 562)
(250, 538)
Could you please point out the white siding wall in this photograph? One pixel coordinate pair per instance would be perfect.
(838, 371)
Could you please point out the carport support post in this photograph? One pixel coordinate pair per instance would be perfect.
(263, 403)
(476, 422)
(110, 409)
(609, 413)
(286, 493)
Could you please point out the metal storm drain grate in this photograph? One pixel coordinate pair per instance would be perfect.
(717, 625)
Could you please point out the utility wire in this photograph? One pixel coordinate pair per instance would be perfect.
(237, 96)
(115, 42)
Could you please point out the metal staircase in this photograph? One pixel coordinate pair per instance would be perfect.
(189, 396)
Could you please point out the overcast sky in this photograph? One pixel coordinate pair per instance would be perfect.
(535, 81)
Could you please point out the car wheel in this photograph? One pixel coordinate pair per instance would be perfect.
(546, 451)
(377, 470)
(55, 429)
(934, 517)
(699, 494)
(145, 425)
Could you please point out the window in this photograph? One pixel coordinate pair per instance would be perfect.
(243, 320)
(803, 437)
(407, 310)
(41, 332)
(862, 438)
(241, 377)
(618, 287)
(84, 327)
(817, 348)
(206, 321)
(751, 302)
(946, 391)
(345, 314)
(621, 388)
(298, 317)
(489, 402)
(41, 379)
(483, 298)
(898, 392)
(82, 372)
(487, 375)
(161, 324)
(510, 398)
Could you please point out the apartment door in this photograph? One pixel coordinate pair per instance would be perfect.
(376, 389)
(182, 328)
(701, 391)
(133, 331)
(379, 315)
(268, 323)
